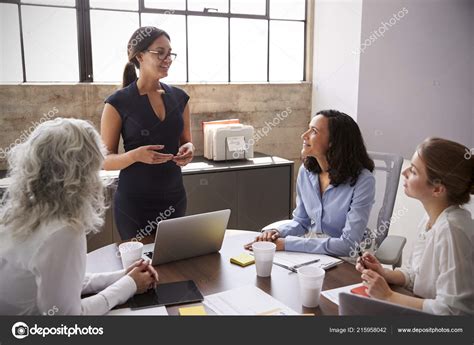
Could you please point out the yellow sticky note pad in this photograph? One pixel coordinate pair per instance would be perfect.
(243, 260)
(198, 310)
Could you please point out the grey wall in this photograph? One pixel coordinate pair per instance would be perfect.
(417, 80)
(336, 63)
(472, 72)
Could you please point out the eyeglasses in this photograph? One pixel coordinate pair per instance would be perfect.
(162, 55)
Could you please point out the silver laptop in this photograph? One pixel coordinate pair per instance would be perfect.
(350, 304)
(187, 237)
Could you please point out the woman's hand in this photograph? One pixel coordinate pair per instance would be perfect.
(144, 275)
(132, 266)
(268, 235)
(368, 261)
(280, 244)
(147, 154)
(144, 264)
(184, 155)
(377, 286)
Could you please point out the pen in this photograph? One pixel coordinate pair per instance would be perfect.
(292, 269)
(305, 263)
(361, 258)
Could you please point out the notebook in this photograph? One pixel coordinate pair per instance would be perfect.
(192, 311)
(243, 260)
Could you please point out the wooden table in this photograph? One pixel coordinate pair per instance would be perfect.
(214, 273)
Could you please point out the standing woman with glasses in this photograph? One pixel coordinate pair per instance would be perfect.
(154, 121)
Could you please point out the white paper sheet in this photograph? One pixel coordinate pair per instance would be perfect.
(333, 295)
(296, 258)
(246, 300)
(138, 312)
(105, 259)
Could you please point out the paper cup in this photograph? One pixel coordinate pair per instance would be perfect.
(130, 252)
(264, 253)
(311, 282)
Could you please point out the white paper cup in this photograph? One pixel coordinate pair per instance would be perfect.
(264, 253)
(130, 252)
(311, 282)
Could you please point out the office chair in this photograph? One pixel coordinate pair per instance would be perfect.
(388, 249)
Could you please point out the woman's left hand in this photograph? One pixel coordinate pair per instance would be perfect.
(279, 242)
(184, 155)
(144, 265)
(377, 286)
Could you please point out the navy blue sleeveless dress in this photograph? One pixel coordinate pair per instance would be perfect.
(149, 193)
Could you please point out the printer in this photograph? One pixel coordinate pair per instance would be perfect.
(227, 140)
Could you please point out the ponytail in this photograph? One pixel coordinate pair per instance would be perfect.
(129, 74)
(141, 39)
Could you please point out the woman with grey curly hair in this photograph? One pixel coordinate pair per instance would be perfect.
(55, 198)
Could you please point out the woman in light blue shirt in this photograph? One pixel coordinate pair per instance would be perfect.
(335, 189)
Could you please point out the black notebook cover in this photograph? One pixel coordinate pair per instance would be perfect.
(168, 294)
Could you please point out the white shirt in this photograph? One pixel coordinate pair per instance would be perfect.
(441, 267)
(46, 273)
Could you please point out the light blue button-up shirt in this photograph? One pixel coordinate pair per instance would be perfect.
(342, 213)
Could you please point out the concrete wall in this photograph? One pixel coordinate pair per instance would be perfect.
(417, 79)
(254, 104)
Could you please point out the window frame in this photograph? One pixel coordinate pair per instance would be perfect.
(84, 40)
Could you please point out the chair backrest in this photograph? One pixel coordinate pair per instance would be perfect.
(387, 175)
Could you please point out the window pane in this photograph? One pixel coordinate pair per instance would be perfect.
(115, 4)
(52, 2)
(50, 42)
(166, 4)
(248, 6)
(248, 49)
(175, 26)
(10, 54)
(208, 54)
(286, 50)
(110, 32)
(286, 9)
(199, 5)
